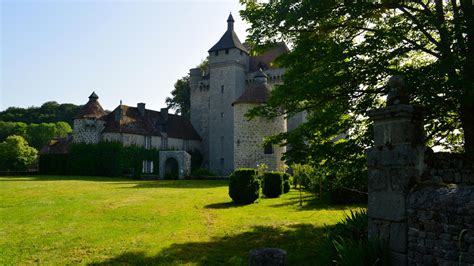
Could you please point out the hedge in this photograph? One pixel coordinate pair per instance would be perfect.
(103, 159)
(244, 186)
(272, 184)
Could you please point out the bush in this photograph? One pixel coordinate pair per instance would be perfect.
(287, 182)
(244, 186)
(202, 172)
(272, 184)
(16, 154)
(347, 243)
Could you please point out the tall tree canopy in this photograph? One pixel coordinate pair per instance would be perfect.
(342, 56)
(49, 112)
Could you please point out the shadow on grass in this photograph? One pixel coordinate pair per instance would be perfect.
(303, 242)
(123, 180)
(311, 202)
(64, 178)
(183, 184)
(224, 205)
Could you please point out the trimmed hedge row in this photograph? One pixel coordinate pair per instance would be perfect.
(103, 159)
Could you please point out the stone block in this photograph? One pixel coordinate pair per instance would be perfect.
(399, 258)
(378, 180)
(398, 237)
(387, 205)
(267, 257)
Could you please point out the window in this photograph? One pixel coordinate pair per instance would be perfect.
(147, 167)
(222, 89)
(164, 143)
(226, 51)
(241, 53)
(216, 53)
(147, 142)
(268, 149)
(222, 115)
(222, 163)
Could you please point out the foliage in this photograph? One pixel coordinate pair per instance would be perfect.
(352, 247)
(287, 182)
(244, 186)
(37, 134)
(49, 112)
(206, 228)
(15, 154)
(202, 172)
(104, 159)
(272, 184)
(181, 97)
(342, 56)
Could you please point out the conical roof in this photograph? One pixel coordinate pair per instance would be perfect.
(258, 92)
(92, 109)
(229, 39)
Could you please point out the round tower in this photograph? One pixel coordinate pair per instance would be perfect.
(249, 135)
(88, 122)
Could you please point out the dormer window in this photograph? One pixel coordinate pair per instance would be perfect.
(216, 53)
(226, 51)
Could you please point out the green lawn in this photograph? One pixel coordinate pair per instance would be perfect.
(93, 220)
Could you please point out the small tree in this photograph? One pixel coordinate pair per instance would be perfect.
(15, 154)
(244, 186)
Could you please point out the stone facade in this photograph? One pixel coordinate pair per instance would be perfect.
(249, 136)
(421, 203)
(88, 131)
(231, 70)
(182, 158)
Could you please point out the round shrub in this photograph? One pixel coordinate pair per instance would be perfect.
(272, 184)
(244, 186)
(287, 182)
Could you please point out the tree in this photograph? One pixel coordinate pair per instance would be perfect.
(16, 154)
(39, 134)
(49, 112)
(12, 128)
(342, 56)
(181, 95)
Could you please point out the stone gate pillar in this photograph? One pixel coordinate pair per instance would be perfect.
(394, 164)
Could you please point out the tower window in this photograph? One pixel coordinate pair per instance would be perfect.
(268, 149)
(216, 53)
(241, 53)
(222, 115)
(222, 89)
(226, 51)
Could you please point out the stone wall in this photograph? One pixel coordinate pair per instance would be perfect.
(87, 131)
(249, 136)
(421, 203)
(441, 225)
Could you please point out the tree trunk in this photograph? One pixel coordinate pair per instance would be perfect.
(467, 103)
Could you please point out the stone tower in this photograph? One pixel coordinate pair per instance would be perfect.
(228, 64)
(88, 123)
(249, 149)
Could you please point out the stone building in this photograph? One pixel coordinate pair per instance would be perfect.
(231, 75)
(136, 126)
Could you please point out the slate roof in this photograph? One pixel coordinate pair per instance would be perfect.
(265, 60)
(92, 109)
(229, 39)
(258, 92)
(152, 123)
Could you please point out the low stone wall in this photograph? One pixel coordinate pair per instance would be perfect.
(450, 168)
(441, 225)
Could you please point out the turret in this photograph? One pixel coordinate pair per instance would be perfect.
(88, 122)
(249, 149)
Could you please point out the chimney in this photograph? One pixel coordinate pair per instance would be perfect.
(164, 114)
(141, 108)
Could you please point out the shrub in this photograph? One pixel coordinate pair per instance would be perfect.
(202, 172)
(16, 154)
(347, 243)
(272, 184)
(287, 182)
(244, 186)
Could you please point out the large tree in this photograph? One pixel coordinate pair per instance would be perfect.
(342, 56)
(16, 154)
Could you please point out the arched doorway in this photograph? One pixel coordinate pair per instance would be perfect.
(171, 168)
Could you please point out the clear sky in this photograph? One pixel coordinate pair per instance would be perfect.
(123, 50)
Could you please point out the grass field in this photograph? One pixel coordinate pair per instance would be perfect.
(93, 220)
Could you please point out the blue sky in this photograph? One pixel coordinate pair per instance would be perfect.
(123, 50)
